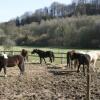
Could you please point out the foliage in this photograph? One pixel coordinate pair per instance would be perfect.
(8, 43)
(73, 32)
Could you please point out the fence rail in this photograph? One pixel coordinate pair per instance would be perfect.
(59, 55)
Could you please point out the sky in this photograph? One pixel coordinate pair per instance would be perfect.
(10, 9)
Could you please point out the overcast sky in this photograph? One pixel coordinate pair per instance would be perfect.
(10, 9)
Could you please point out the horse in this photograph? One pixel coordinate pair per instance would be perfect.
(71, 61)
(24, 53)
(94, 55)
(83, 59)
(44, 54)
(12, 61)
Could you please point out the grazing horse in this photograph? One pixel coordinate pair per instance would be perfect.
(83, 59)
(44, 54)
(24, 53)
(12, 61)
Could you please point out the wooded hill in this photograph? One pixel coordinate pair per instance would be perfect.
(81, 31)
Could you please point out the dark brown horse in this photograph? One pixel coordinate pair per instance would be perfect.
(24, 53)
(44, 54)
(83, 59)
(12, 61)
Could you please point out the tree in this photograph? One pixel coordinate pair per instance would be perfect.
(18, 21)
(8, 43)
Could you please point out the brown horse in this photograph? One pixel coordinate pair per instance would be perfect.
(12, 61)
(24, 53)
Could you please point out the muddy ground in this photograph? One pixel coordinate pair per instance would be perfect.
(41, 82)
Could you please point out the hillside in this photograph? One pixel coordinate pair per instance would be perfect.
(70, 26)
(69, 32)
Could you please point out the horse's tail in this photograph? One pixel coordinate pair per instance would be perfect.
(22, 66)
(53, 56)
(68, 59)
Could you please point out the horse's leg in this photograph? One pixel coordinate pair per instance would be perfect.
(53, 57)
(5, 71)
(75, 63)
(78, 68)
(83, 69)
(44, 60)
(71, 64)
(22, 68)
(0, 69)
(4, 67)
(94, 66)
(40, 60)
(50, 59)
(68, 63)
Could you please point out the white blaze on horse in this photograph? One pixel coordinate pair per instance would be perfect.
(5, 55)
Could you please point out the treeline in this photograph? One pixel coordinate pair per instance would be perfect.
(73, 32)
(55, 10)
(58, 10)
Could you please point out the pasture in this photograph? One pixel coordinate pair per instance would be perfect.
(47, 82)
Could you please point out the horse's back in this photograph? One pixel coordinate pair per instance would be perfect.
(83, 58)
(15, 60)
(93, 55)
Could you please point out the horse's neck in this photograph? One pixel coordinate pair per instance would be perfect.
(98, 53)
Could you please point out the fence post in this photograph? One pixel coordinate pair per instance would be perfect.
(88, 84)
(61, 58)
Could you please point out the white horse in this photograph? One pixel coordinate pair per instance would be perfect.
(94, 55)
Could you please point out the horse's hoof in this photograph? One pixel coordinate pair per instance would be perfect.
(77, 71)
(5, 76)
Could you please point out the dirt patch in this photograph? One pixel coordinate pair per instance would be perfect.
(39, 83)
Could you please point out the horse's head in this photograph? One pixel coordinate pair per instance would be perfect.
(24, 52)
(34, 51)
(73, 55)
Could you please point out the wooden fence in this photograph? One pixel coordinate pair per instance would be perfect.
(60, 57)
